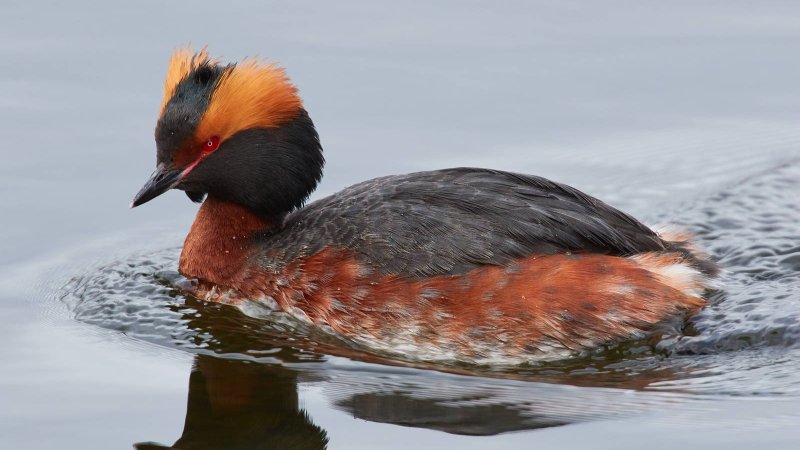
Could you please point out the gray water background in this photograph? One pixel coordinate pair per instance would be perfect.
(679, 111)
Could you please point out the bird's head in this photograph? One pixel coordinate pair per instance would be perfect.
(238, 132)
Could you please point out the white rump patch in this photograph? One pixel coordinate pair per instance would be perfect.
(679, 275)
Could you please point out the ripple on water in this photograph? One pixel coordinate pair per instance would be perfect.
(758, 247)
(142, 298)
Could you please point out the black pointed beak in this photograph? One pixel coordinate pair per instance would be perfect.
(162, 180)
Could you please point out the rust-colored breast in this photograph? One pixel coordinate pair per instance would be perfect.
(217, 247)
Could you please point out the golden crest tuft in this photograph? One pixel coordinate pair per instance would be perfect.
(250, 94)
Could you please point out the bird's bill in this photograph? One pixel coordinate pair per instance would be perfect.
(162, 180)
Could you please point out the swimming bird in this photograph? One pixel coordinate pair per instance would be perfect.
(463, 264)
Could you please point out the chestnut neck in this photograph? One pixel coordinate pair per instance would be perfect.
(217, 246)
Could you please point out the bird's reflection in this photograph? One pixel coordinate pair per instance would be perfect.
(243, 405)
(236, 404)
(254, 404)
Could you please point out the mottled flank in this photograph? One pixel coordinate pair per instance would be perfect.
(540, 307)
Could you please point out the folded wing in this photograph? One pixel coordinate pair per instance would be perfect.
(447, 222)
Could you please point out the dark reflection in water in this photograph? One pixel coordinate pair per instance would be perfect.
(253, 402)
(236, 403)
(243, 405)
(240, 404)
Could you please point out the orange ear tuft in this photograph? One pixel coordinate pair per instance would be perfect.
(182, 62)
(251, 94)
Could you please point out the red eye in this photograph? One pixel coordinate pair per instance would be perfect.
(211, 144)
